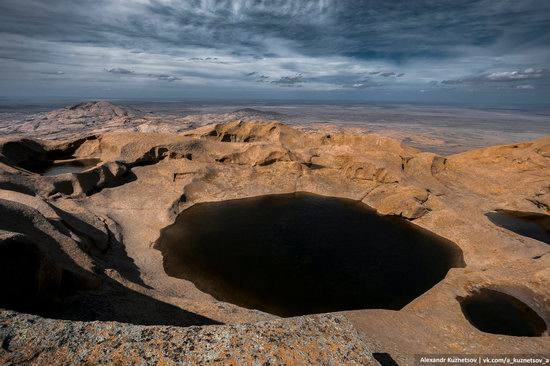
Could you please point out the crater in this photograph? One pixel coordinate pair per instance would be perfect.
(529, 224)
(297, 254)
(66, 166)
(498, 313)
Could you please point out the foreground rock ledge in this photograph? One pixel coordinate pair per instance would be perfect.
(78, 247)
(313, 340)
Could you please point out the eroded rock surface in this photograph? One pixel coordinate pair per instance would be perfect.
(314, 340)
(86, 241)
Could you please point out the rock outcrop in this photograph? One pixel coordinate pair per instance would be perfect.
(313, 340)
(81, 244)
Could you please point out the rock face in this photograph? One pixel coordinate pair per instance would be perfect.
(314, 340)
(81, 244)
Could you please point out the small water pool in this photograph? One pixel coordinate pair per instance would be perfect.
(68, 166)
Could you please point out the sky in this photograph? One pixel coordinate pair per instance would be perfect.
(467, 51)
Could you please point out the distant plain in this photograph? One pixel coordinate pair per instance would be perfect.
(440, 129)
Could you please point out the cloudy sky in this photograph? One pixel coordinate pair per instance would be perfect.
(429, 51)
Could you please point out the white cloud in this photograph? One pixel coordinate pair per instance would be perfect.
(529, 73)
(501, 76)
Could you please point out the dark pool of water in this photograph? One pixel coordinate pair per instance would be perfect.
(532, 225)
(300, 254)
(72, 166)
(495, 312)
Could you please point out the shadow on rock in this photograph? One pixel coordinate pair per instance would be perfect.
(108, 244)
(38, 277)
(117, 303)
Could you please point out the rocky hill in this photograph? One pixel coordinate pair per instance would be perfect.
(83, 117)
(95, 111)
(253, 114)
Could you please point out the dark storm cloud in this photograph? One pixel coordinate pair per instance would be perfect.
(386, 74)
(292, 80)
(456, 42)
(119, 70)
(401, 30)
(396, 30)
(262, 79)
(123, 71)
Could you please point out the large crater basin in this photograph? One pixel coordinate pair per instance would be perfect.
(298, 254)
